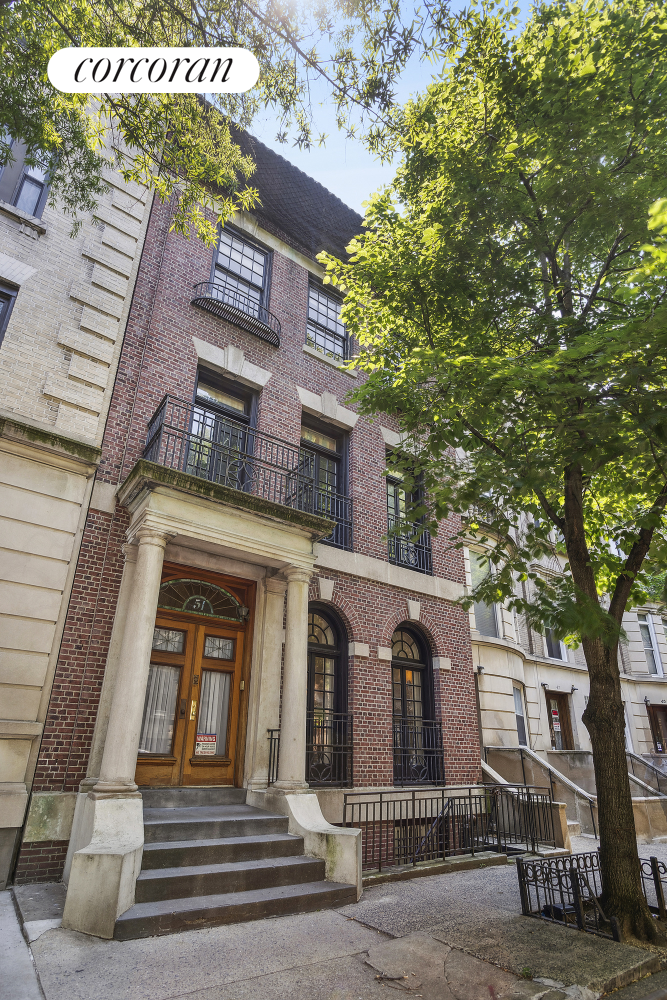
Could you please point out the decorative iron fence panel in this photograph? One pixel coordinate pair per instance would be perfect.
(408, 828)
(418, 752)
(329, 748)
(206, 444)
(568, 891)
(409, 545)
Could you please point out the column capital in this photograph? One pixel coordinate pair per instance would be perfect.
(275, 585)
(296, 574)
(129, 551)
(152, 536)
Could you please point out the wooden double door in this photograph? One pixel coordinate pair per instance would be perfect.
(560, 725)
(193, 702)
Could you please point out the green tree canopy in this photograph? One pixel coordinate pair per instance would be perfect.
(357, 47)
(509, 297)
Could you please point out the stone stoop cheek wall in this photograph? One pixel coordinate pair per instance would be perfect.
(42, 862)
(371, 612)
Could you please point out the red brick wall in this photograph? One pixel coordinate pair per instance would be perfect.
(158, 356)
(42, 862)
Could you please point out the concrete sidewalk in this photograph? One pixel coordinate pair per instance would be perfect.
(447, 937)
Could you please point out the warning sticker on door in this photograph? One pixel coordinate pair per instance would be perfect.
(555, 721)
(205, 745)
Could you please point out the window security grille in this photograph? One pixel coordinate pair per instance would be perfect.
(324, 330)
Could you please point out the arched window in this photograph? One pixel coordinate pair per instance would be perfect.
(329, 726)
(417, 737)
(200, 598)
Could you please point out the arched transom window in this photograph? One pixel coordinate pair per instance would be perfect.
(201, 598)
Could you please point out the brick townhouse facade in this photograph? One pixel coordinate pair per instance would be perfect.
(239, 616)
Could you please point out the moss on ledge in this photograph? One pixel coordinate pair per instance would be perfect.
(150, 475)
(10, 428)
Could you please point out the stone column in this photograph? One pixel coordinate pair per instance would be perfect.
(268, 694)
(292, 763)
(119, 760)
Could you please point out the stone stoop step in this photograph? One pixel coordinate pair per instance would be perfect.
(211, 859)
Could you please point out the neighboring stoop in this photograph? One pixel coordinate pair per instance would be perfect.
(211, 859)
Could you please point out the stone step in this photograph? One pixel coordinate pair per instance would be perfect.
(171, 915)
(196, 795)
(217, 852)
(234, 877)
(574, 827)
(209, 823)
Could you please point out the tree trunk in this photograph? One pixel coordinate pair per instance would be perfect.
(604, 718)
(619, 859)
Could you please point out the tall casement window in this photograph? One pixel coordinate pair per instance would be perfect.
(647, 636)
(486, 615)
(328, 724)
(417, 737)
(220, 444)
(409, 543)
(22, 185)
(7, 297)
(324, 330)
(241, 269)
(323, 472)
(555, 648)
(520, 715)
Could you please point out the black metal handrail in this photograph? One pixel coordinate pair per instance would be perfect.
(204, 443)
(418, 752)
(274, 754)
(242, 310)
(409, 544)
(409, 828)
(651, 769)
(329, 748)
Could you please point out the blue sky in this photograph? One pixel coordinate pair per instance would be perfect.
(344, 166)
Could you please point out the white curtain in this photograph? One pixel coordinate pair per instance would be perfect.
(214, 706)
(157, 728)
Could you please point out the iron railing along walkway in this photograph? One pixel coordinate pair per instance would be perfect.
(204, 443)
(408, 828)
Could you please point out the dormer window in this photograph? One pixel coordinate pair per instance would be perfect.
(324, 330)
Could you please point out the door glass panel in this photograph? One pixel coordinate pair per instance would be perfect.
(157, 727)
(555, 720)
(168, 640)
(323, 673)
(213, 712)
(218, 648)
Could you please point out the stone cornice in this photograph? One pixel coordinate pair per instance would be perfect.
(31, 435)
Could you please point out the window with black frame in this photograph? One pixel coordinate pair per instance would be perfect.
(7, 296)
(324, 330)
(24, 182)
(417, 738)
(409, 542)
(219, 446)
(322, 471)
(328, 725)
(241, 273)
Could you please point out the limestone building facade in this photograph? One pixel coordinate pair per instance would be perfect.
(63, 307)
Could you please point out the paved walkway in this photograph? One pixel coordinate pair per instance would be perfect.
(448, 937)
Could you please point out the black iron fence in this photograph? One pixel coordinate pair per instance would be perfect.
(407, 828)
(409, 545)
(231, 304)
(206, 444)
(329, 748)
(568, 891)
(418, 752)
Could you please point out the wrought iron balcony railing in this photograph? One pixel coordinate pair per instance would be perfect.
(418, 752)
(329, 748)
(242, 310)
(409, 545)
(206, 444)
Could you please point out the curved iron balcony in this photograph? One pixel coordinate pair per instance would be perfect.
(232, 305)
